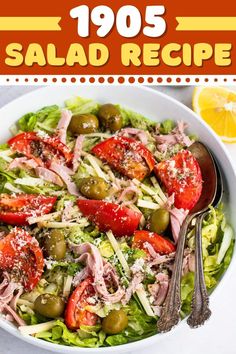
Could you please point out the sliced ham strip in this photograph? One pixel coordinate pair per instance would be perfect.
(129, 190)
(177, 217)
(15, 299)
(22, 162)
(48, 176)
(9, 294)
(136, 133)
(77, 152)
(181, 136)
(150, 250)
(177, 136)
(90, 256)
(159, 289)
(133, 286)
(65, 174)
(157, 258)
(110, 275)
(63, 124)
(191, 262)
(80, 276)
(188, 262)
(14, 315)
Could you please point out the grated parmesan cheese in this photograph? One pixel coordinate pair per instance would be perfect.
(97, 168)
(28, 330)
(11, 188)
(34, 220)
(67, 285)
(5, 155)
(148, 205)
(29, 181)
(61, 224)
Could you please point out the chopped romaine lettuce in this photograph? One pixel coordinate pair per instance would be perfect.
(76, 235)
(79, 105)
(61, 334)
(28, 122)
(136, 120)
(46, 119)
(106, 249)
(167, 126)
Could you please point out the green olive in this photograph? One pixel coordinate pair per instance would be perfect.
(93, 187)
(110, 117)
(115, 322)
(49, 305)
(83, 124)
(55, 244)
(159, 221)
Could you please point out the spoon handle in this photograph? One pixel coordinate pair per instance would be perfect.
(170, 311)
(200, 301)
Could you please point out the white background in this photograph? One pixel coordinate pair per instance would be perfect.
(218, 336)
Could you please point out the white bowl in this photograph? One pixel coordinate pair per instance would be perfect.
(151, 104)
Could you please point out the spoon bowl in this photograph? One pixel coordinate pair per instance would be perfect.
(209, 177)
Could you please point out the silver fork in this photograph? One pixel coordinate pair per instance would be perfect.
(170, 311)
(200, 301)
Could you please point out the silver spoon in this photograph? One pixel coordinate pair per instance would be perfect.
(170, 311)
(200, 301)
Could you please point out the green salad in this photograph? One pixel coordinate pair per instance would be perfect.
(92, 199)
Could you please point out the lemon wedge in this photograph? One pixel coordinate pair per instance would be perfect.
(217, 107)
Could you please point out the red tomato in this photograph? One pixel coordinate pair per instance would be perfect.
(40, 148)
(160, 244)
(182, 176)
(126, 155)
(122, 221)
(75, 314)
(16, 208)
(20, 253)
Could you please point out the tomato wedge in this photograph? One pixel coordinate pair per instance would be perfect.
(40, 148)
(20, 254)
(160, 244)
(16, 208)
(75, 313)
(182, 176)
(126, 155)
(122, 221)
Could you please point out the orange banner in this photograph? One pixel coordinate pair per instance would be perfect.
(118, 38)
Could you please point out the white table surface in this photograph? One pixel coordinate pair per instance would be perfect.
(216, 337)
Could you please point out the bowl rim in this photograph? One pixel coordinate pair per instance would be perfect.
(5, 325)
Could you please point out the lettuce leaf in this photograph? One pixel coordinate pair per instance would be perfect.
(32, 318)
(46, 118)
(76, 235)
(87, 337)
(5, 177)
(136, 120)
(79, 105)
(167, 126)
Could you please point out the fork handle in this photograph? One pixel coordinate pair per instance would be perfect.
(200, 301)
(171, 308)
